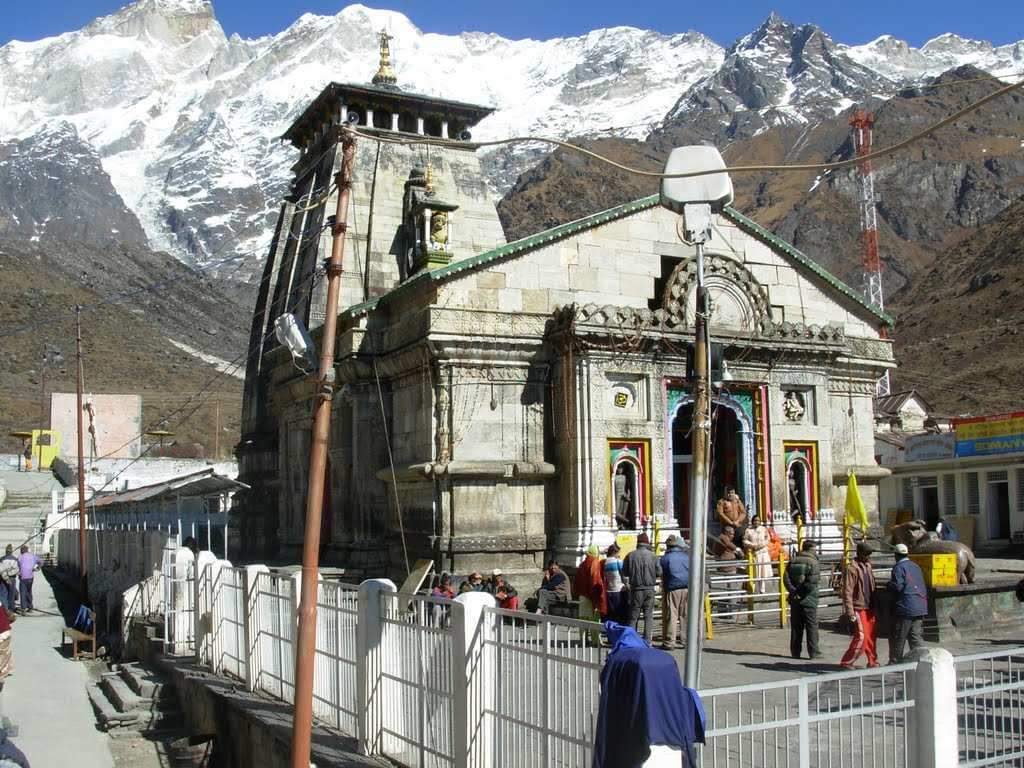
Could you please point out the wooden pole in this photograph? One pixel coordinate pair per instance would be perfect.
(81, 456)
(305, 648)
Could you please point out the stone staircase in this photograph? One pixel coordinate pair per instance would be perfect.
(133, 703)
(21, 515)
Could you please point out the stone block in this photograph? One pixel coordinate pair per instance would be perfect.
(567, 253)
(536, 300)
(644, 230)
(583, 278)
(510, 300)
(765, 274)
(608, 282)
(490, 279)
(640, 286)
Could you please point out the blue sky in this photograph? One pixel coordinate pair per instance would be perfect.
(1001, 21)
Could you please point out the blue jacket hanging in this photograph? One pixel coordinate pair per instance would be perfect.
(643, 702)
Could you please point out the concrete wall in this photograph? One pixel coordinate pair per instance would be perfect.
(117, 419)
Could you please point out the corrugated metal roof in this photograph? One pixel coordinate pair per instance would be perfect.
(206, 482)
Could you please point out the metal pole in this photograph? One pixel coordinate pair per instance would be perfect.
(701, 433)
(305, 648)
(81, 456)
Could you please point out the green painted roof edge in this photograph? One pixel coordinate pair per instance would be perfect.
(514, 248)
(772, 239)
(548, 236)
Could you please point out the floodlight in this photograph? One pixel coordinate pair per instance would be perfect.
(714, 189)
(292, 333)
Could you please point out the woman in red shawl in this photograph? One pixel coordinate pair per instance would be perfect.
(589, 588)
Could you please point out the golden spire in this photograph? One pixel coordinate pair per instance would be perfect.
(385, 74)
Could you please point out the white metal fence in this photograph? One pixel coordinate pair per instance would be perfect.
(857, 718)
(428, 682)
(990, 708)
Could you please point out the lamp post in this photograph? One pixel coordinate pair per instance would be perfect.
(697, 197)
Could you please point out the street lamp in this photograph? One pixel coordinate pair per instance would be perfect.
(697, 197)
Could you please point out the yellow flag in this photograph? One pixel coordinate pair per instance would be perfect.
(855, 512)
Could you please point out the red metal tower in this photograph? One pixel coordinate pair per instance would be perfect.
(861, 124)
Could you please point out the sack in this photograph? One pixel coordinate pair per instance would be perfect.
(83, 620)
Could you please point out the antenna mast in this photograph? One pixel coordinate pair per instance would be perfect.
(862, 123)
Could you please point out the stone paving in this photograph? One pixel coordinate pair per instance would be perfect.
(44, 701)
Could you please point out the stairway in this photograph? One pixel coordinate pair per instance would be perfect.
(132, 702)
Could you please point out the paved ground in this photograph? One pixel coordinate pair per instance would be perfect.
(44, 699)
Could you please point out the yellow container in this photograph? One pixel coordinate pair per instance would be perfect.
(939, 570)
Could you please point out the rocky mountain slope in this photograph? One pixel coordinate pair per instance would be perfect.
(150, 342)
(962, 322)
(185, 120)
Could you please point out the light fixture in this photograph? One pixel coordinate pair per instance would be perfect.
(292, 333)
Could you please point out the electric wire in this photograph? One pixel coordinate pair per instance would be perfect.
(758, 168)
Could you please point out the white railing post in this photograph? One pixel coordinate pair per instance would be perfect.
(934, 714)
(369, 633)
(472, 681)
(250, 581)
(202, 586)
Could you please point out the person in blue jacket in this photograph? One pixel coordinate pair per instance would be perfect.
(908, 587)
(675, 586)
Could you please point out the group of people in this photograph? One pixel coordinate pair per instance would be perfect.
(497, 585)
(906, 585)
(17, 574)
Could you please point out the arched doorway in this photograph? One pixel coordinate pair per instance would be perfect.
(626, 493)
(731, 459)
(798, 479)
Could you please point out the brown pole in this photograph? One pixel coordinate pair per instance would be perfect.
(81, 457)
(305, 648)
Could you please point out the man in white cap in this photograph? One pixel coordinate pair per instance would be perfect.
(907, 586)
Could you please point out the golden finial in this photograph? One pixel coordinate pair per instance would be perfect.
(429, 185)
(385, 74)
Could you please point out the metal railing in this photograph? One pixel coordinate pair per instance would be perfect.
(990, 708)
(857, 718)
(229, 653)
(427, 682)
(274, 635)
(335, 699)
(545, 673)
(415, 700)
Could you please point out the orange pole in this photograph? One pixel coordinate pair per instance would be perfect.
(305, 647)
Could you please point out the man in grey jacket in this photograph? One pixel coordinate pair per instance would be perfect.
(641, 571)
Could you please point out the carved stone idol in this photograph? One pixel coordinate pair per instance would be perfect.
(439, 229)
(793, 407)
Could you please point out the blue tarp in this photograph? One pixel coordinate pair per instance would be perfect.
(643, 702)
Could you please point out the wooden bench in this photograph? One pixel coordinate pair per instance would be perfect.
(77, 636)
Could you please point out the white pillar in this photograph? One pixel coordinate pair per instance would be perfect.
(444, 129)
(934, 716)
(252, 645)
(369, 118)
(473, 673)
(369, 633)
(394, 121)
(419, 125)
(342, 113)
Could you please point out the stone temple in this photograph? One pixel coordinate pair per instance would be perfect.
(499, 402)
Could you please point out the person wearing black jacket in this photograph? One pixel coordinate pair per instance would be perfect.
(641, 571)
(801, 582)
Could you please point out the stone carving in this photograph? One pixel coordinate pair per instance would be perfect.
(921, 541)
(632, 320)
(439, 229)
(793, 407)
(742, 302)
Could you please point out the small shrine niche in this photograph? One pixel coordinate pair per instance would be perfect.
(428, 223)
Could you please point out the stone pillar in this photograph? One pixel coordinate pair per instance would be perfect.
(252, 646)
(444, 129)
(342, 113)
(442, 408)
(419, 126)
(394, 121)
(369, 634)
(472, 681)
(369, 118)
(933, 720)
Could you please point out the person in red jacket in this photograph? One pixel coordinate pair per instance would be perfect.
(858, 605)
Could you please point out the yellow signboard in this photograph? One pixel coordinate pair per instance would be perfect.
(626, 542)
(45, 447)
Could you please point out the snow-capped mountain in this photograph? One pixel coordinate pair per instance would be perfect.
(186, 120)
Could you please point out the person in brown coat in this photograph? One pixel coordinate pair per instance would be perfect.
(731, 511)
(858, 606)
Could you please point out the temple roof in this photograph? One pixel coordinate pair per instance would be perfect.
(547, 236)
(324, 106)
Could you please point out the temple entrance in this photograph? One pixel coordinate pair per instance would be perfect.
(798, 480)
(726, 460)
